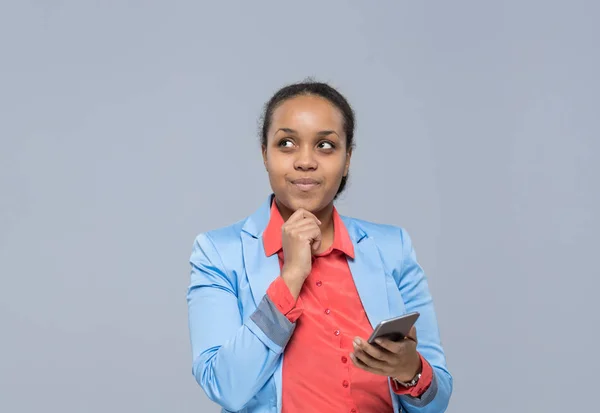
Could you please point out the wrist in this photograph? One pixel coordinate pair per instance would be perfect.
(294, 282)
(293, 273)
(411, 374)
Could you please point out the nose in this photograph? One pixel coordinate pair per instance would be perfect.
(305, 160)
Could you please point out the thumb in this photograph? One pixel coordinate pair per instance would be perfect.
(316, 245)
(412, 334)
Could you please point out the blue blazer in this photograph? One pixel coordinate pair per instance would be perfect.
(238, 337)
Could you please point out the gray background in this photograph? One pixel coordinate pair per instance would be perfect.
(129, 127)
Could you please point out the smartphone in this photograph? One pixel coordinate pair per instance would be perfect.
(394, 329)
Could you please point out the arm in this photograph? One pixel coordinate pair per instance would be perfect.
(415, 292)
(232, 359)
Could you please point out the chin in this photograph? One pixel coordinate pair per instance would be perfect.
(312, 204)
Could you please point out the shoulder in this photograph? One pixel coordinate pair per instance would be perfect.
(220, 241)
(380, 233)
(226, 234)
(392, 241)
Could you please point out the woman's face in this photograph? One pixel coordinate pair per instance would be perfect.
(306, 154)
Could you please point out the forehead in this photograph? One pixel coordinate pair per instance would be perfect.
(308, 112)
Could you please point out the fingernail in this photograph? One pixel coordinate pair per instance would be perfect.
(357, 341)
(378, 341)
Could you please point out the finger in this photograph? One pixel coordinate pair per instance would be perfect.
(398, 349)
(412, 334)
(361, 365)
(394, 347)
(373, 351)
(314, 236)
(296, 215)
(310, 215)
(304, 224)
(370, 361)
(297, 228)
(300, 214)
(308, 227)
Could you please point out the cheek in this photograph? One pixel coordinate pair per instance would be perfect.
(335, 170)
(277, 168)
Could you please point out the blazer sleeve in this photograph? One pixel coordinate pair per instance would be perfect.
(415, 293)
(232, 358)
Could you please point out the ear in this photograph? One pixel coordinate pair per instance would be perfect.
(264, 154)
(347, 167)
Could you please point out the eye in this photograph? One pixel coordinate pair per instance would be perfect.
(326, 145)
(285, 143)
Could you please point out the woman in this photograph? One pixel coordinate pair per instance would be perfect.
(282, 302)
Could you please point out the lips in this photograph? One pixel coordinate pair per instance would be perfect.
(305, 184)
(305, 181)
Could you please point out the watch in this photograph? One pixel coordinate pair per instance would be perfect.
(409, 384)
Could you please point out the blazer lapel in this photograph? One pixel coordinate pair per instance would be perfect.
(260, 269)
(368, 274)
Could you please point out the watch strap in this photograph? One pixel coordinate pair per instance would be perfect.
(409, 384)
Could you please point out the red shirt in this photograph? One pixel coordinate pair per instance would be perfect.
(317, 371)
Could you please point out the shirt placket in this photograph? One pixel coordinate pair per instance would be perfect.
(324, 288)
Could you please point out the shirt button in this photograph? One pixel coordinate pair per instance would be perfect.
(353, 411)
(344, 359)
(336, 332)
(328, 311)
(345, 383)
(319, 283)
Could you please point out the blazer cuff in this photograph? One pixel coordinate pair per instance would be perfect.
(425, 398)
(273, 324)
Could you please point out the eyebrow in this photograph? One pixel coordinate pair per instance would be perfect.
(319, 134)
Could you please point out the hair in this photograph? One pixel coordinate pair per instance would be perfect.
(310, 87)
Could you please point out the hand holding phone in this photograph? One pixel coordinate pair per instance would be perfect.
(397, 355)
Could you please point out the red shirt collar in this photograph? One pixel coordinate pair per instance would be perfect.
(272, 234)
